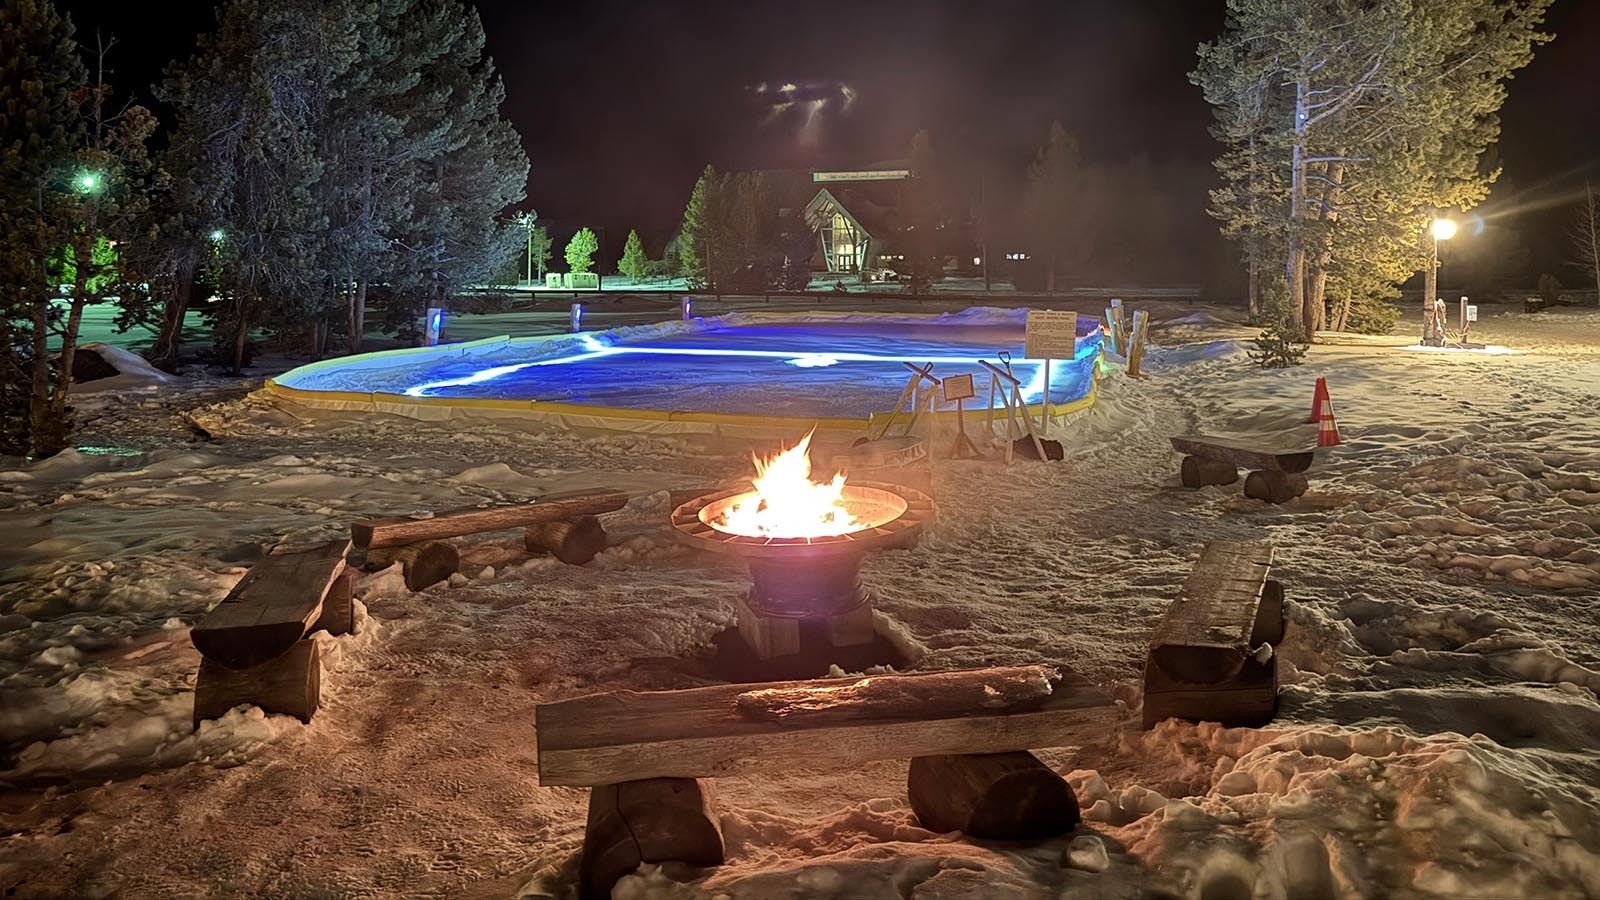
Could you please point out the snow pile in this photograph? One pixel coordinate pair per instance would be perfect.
(133, 372)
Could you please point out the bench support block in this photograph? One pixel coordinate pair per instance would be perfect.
(771, 636)
(654, 820)
(573, 541)
(425, 564)
(991, 796)
(289, 685)
(1274, 487)
(1198, 472)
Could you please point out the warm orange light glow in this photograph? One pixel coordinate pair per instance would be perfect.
(786, 503)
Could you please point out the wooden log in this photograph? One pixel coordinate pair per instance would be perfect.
(652, 820)
(702, 732)
(338, 607)
(1198, 472)
(290, 684)
(993, 796)
(573, 541)
(271, 608)
(397, 530)
(1249, 698)
(1274, 487)
(425, 564)
(768, 637)
(1243, 453)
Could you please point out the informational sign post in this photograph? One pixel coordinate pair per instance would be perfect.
(958, 388)
(1050, 334)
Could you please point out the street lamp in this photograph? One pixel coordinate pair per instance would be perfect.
(526, 220)
(88, 182)
(217, 235)
(1440, 229)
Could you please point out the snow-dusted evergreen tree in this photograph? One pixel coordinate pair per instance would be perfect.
(580, 250)
(73, 182)
(634, 263)
(1375, 112)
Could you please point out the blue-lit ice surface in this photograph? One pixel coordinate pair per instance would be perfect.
(848, 367)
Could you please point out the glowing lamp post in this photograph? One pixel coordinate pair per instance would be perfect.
(1432, 313)
(87, 182)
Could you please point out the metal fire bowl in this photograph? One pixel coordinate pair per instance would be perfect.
(689, 522)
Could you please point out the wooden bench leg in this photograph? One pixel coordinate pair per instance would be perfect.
(992, 796)
(1274, 487)
(426, 564)
(654, 820)
(289, 685)
(573, 541)
(1198, 472)
(1269, 615)
(338, 609)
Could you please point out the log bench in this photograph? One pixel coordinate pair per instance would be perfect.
(561, 524)
(253, 644)
(1276, 476)
(648, 755)
(1212, 657)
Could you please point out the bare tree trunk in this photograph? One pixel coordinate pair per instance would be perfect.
(169, 340)
(1295, 265)
(1590, 236)
(240, 336)
(1328, 215)
(358, 315)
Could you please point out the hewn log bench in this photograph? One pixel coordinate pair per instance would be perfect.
(1212, 656)
(1276, 476)
(562, 524)
(646, 755)
(253, 644)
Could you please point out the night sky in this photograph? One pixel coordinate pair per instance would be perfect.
(620, 103)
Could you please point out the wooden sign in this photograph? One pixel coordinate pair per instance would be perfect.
(959, 387)
(1051, 334)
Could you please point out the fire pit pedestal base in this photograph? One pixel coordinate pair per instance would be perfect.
(770, 636)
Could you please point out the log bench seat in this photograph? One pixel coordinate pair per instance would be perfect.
(1213, 655)
(1276, 476)
(563, 525)
(253, 645)
(647, 755)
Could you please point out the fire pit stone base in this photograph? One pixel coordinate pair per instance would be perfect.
(770, 636)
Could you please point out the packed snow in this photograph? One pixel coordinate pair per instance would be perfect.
(1437, 727)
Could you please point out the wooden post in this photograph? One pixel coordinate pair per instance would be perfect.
(1141, 323)
(290, 685)
(1044, 403)
(991, 796)
(573, 541)
(653, 820)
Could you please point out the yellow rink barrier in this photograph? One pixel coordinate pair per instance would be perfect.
(571, 416)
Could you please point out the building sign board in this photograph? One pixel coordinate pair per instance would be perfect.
(1051, 334)
(863, 175)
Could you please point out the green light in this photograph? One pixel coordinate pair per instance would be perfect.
(89, 182)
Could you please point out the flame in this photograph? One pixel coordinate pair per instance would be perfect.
(786, 503)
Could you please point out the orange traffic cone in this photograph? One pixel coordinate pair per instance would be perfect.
(1327, 428)
(1317, 397)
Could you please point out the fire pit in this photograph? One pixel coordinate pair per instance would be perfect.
(804, 542)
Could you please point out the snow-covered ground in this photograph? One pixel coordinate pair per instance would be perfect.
(1439, 734)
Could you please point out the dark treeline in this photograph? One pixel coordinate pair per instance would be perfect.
(319, 154)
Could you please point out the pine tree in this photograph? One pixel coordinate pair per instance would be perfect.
(1056, 224)
(634, 264)
(1348, 125)
(542, 245)
(580, 251)
(695, 235)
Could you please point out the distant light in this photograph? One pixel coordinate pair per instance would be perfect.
(89, 182)
(217, 235)
(977, 260)
(1443, 229)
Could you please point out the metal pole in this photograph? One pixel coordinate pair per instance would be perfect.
(1430, 287)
